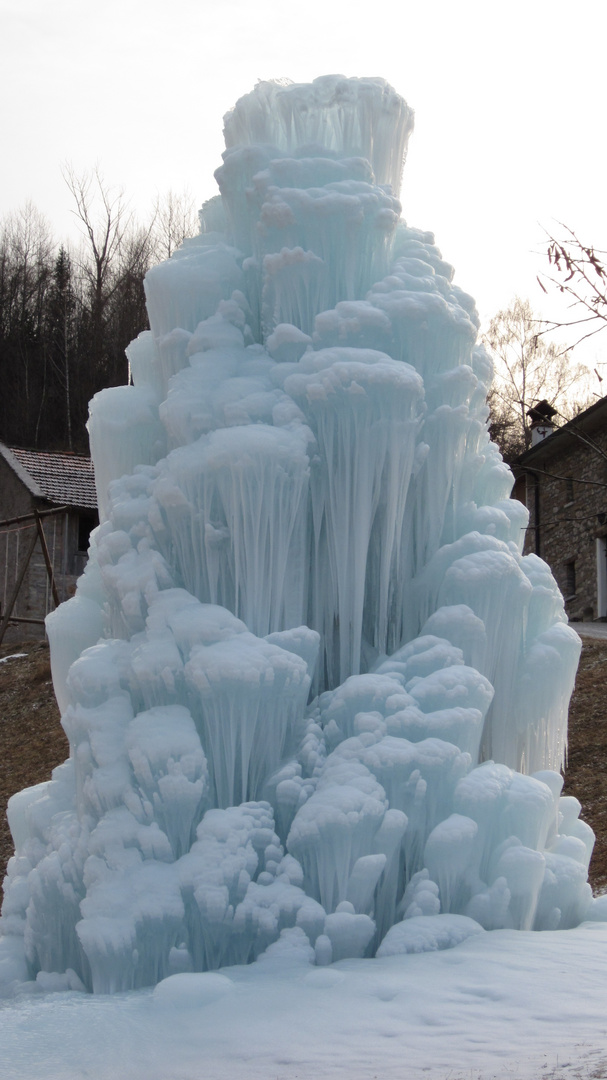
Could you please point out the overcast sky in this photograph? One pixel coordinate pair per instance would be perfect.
(509, 101)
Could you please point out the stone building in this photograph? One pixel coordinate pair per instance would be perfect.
(60, 489)
(562, 478)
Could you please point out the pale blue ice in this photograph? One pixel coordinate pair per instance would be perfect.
(316, 696)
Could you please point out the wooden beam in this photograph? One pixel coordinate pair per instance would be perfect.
(32, 517)
(47, 558)
(22, 618)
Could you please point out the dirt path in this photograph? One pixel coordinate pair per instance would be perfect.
(32, 741)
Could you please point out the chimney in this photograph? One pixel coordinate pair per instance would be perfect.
(541, 421)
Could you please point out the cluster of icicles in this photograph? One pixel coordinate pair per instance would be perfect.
(313, 690)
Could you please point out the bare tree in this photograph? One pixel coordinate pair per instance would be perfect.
(116, 254)
(527, 370)
(579, 273)
(26, 245)
(105, 219)
(175, 218)
(26, 262)
(61, 337)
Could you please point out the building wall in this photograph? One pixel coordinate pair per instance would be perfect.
(15, 499)
(35, 597)
(568, 519)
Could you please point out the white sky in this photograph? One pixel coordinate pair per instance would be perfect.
(509, 102)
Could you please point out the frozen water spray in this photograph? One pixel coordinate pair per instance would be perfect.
(315, 695)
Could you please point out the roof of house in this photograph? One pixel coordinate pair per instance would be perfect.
(63, 479)
(584, 423)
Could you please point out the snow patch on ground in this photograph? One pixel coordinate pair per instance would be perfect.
(503, 1004)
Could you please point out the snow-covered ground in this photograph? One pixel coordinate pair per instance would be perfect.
(501, 1005)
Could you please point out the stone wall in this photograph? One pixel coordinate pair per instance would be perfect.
(568, 513)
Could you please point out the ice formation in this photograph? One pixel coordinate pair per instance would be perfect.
(315, 694)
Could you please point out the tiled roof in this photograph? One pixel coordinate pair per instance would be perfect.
(64, 479)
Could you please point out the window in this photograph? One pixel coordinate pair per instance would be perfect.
(86, 524)
(570, 578)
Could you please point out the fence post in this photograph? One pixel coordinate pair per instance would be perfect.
(47, 558)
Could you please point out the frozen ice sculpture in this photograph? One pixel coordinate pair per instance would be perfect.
(315, 695)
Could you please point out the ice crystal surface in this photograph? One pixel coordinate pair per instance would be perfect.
(315, 694)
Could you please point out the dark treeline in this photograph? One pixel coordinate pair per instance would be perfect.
(67, 314)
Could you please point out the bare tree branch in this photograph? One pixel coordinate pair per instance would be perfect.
(579, 272)
(527, 370)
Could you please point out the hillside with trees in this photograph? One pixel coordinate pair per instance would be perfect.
(67, 314)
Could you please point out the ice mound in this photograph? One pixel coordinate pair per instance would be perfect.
(315, 695)
(427, 934)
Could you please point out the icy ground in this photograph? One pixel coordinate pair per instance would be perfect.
(505, 1004)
